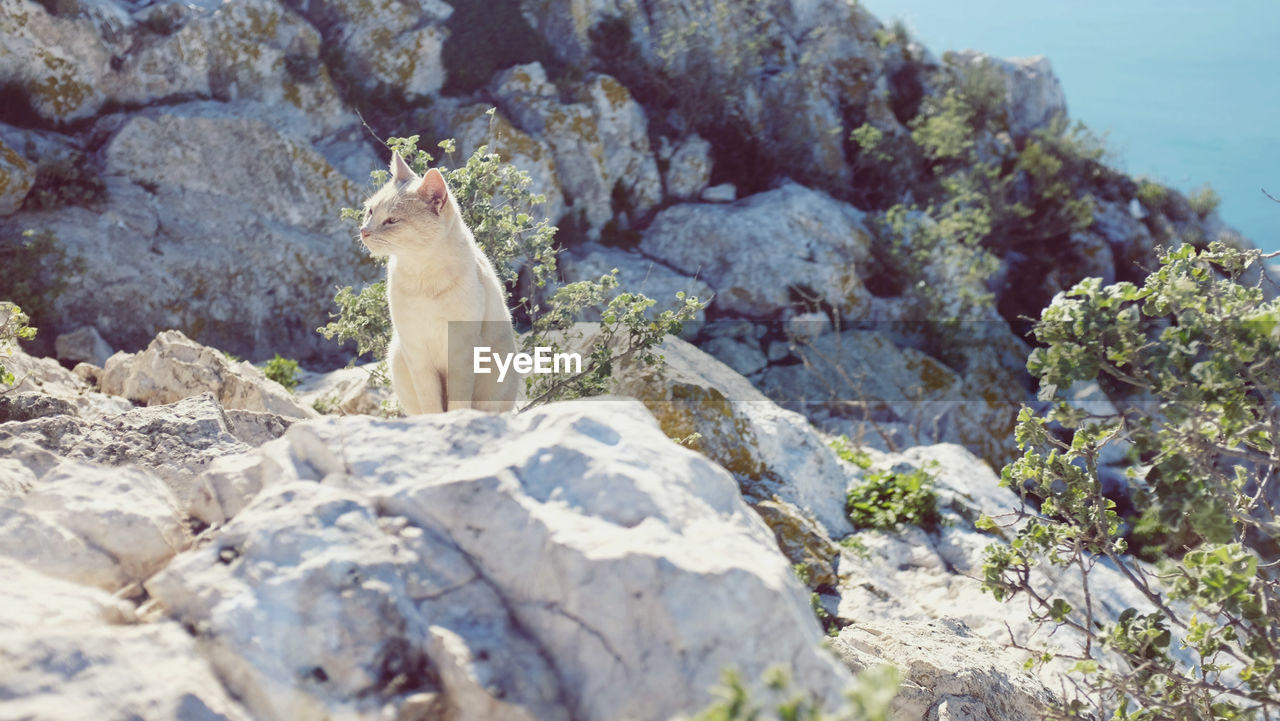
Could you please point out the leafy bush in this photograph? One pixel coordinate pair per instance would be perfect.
(500, 210)
(1191, 356)
(1204, 200)
(870, 699)
(893, 498)
(283, 371)
(13, 328)
(1151, 194)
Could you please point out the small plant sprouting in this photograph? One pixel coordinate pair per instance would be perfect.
(283, 371)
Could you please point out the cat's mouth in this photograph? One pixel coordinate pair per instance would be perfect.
(377, 246)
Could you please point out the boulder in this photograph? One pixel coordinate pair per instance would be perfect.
(762, 252)
(346, 391)
(232, 230)
(83, 345)
(636, 274)
(688, 167)
(42, 387)
(600, 142)
(174, 367)
(948, 674)
(406, 562)
(17, 175)
(58, 63)
(102, 527)
(1032, 94)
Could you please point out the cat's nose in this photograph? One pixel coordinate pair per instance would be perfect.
(364, 233)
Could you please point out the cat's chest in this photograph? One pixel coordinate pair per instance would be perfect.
(422, 321)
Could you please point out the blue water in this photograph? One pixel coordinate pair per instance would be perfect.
(1186, 92)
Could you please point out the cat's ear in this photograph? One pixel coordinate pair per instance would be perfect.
(433, 191)
(400, 170)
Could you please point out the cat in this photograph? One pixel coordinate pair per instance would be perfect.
(445, 299)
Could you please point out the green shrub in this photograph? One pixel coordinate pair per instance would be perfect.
(13, 328)
(870, 699)
(890, 499)
(1203, 200)
(1151, 194)
(283, 371)
(501, 211)
(1197, 349)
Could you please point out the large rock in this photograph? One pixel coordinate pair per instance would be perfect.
(386, 561)
(103, 527)
(948, 674)
(740, 61)
(174, 367)
(384, 43)
(346, 391)
(636, 274)
(233, 230)
(83, 345)
(57, 63)
(600, 142)
(762, 252)
(862, 378)
(688, 167)
(70, 652)
(17, 175)
(1032, 93)
(51, 386)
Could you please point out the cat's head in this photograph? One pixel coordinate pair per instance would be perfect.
(409, 214)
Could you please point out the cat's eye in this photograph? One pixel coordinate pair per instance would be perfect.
(391, 221)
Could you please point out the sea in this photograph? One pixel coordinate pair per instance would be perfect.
(1185, 93)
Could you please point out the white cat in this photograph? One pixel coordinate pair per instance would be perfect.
(445, 298)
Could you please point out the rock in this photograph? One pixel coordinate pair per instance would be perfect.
(174, 367)
(757, 253)
(802, 541)
(722, 193)
(947, 672)
(102, 527)
(114, 673)
(17, 175)
(404, 564)
(636, 274)
(176, 442)
(238, 50)
(773, 453)
(741, 357)
(1132, 245)
(1095, 257)
(28, 406)
(688, 168)
(474, 125)
(45, 386)
(34, 600)
(600, 142)
(861, 376)
(58, 62)
(1033, 95)
(395, 45)
(249, 271)
(84, 344)
(346, 391)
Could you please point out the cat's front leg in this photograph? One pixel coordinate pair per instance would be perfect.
(462, 375)
(402, 380)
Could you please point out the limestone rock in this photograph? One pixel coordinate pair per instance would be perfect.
(688, 167)
(1033, 95)
(405, 564)
(174, 367)
(947, 672)
(636, 274)
(59, 62)
(47, 386)
(249, 271)
(722, 193)
(755, 253)
(599, 142)
(771, 452)
(83, 344)
(16, 178)
(346, 391)
(392, 44)
(103, 527)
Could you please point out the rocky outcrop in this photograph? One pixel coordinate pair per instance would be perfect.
(50, 389)
(405, 568)
(636, 274)
(174, 367)
(1032, 94)
(83, 345)
(759, 254)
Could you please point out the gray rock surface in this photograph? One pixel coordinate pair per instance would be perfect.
(688, 167)
(1033, 95)
(509, 586)
(636, 274)
(755, 252)
(49, 389)
(174, 367)
(17, 174)
(83, 345)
